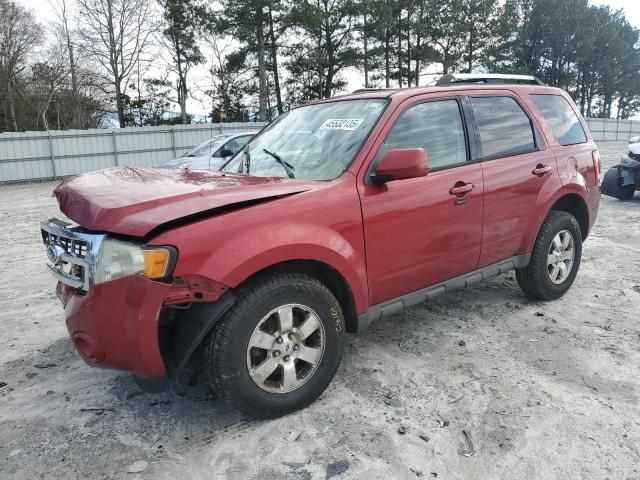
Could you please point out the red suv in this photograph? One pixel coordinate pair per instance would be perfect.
(337, 214)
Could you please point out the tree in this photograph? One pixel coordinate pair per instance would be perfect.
(381, 29)
(66, 39)
(423, 50)
(47, 80)
(480, 21)
(274, 8)
(182, 20)
(19, 35)
(149, 103)
(448, 27)
(327, 29)
(246, 21)
(230, 86)
(116, 34)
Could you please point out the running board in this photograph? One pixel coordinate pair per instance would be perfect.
(396, 305)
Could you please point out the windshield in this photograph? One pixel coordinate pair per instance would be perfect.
(208, 148)
(315, 142)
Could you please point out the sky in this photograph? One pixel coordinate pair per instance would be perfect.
(44, 13)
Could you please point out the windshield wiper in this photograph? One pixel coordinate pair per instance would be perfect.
(287, 166)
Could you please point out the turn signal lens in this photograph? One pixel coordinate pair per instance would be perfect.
(156, 263)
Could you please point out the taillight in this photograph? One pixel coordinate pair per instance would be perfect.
(597, 165)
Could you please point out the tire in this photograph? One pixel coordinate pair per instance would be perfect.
(536, 278)
(611, 185)
(626, 192)
(263, 304)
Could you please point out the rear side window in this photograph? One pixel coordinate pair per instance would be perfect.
(562, 119)
(435, 126)
(505, 129)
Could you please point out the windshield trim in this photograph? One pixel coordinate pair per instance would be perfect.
(385, 100)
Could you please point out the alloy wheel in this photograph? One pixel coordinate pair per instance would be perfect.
(285, 348)
(560, 257)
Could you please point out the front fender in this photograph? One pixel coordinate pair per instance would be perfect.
(281, 242)
(324, 225)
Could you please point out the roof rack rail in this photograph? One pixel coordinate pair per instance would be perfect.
(487, 78)
(371, 89)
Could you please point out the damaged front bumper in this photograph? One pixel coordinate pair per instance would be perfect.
(115, 324)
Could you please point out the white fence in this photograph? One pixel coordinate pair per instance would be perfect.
(608, 130)
(43, 155)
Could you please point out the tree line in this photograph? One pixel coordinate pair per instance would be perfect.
(132, 62)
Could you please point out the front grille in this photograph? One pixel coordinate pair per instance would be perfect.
(76, 248)
(71, 253)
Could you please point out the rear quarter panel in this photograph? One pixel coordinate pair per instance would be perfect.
(576, 168)
(575, 162)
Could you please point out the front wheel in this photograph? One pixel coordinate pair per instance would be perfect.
(278, 347)
(555, 258)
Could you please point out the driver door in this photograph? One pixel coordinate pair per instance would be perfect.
(417, 231)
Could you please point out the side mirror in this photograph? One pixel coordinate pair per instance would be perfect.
(400, 164)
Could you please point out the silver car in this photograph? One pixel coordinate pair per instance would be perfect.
(212, 154)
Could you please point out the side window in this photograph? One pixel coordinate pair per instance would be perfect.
(242, 141)
(505, 129)
(561, 118)
(435, 126)
(236, 144)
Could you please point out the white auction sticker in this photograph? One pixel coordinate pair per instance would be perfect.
(341, 124)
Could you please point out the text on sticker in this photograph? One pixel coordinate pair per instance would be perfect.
(341, 124)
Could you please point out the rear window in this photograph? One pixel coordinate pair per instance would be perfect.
(562, 119)
(505, 129)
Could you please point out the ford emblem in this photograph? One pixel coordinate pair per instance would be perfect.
(54, 253)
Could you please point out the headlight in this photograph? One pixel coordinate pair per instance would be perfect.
(119, 259)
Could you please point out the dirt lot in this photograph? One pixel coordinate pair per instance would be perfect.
(543, 390)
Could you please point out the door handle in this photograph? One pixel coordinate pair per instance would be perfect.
(460, 189)
(540, 170)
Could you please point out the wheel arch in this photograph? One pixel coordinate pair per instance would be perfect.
(195, 323)
(326, 274)
(575, 205)
(569, 200)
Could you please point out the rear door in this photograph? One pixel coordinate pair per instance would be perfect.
(568, 138)
(418, 231)
(517, 166)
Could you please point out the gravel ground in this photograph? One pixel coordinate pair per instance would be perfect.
(482, 384)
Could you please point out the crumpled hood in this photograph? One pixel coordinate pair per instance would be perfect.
(134, 201)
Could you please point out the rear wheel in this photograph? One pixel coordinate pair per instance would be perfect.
(278, 347)
(555, 258)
